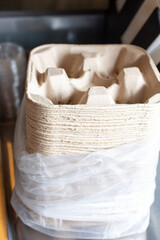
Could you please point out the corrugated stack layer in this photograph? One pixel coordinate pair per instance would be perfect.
(66, 110)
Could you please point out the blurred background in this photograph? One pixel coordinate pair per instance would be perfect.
(48, 5)
(30, 23)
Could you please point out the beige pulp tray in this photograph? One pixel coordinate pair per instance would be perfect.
(73, 128)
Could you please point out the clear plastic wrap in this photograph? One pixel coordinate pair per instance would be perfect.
(99, 195)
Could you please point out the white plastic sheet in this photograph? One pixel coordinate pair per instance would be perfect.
(99, 195)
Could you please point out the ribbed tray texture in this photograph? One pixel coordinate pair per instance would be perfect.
(65, 129)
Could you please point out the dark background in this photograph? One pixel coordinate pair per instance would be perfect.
(48, 5)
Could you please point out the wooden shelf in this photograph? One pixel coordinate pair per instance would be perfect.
(3, 212)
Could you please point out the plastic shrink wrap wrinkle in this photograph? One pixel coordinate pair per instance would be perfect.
(99, 195)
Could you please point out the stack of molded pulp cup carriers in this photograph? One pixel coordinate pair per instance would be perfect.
(87, 141)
